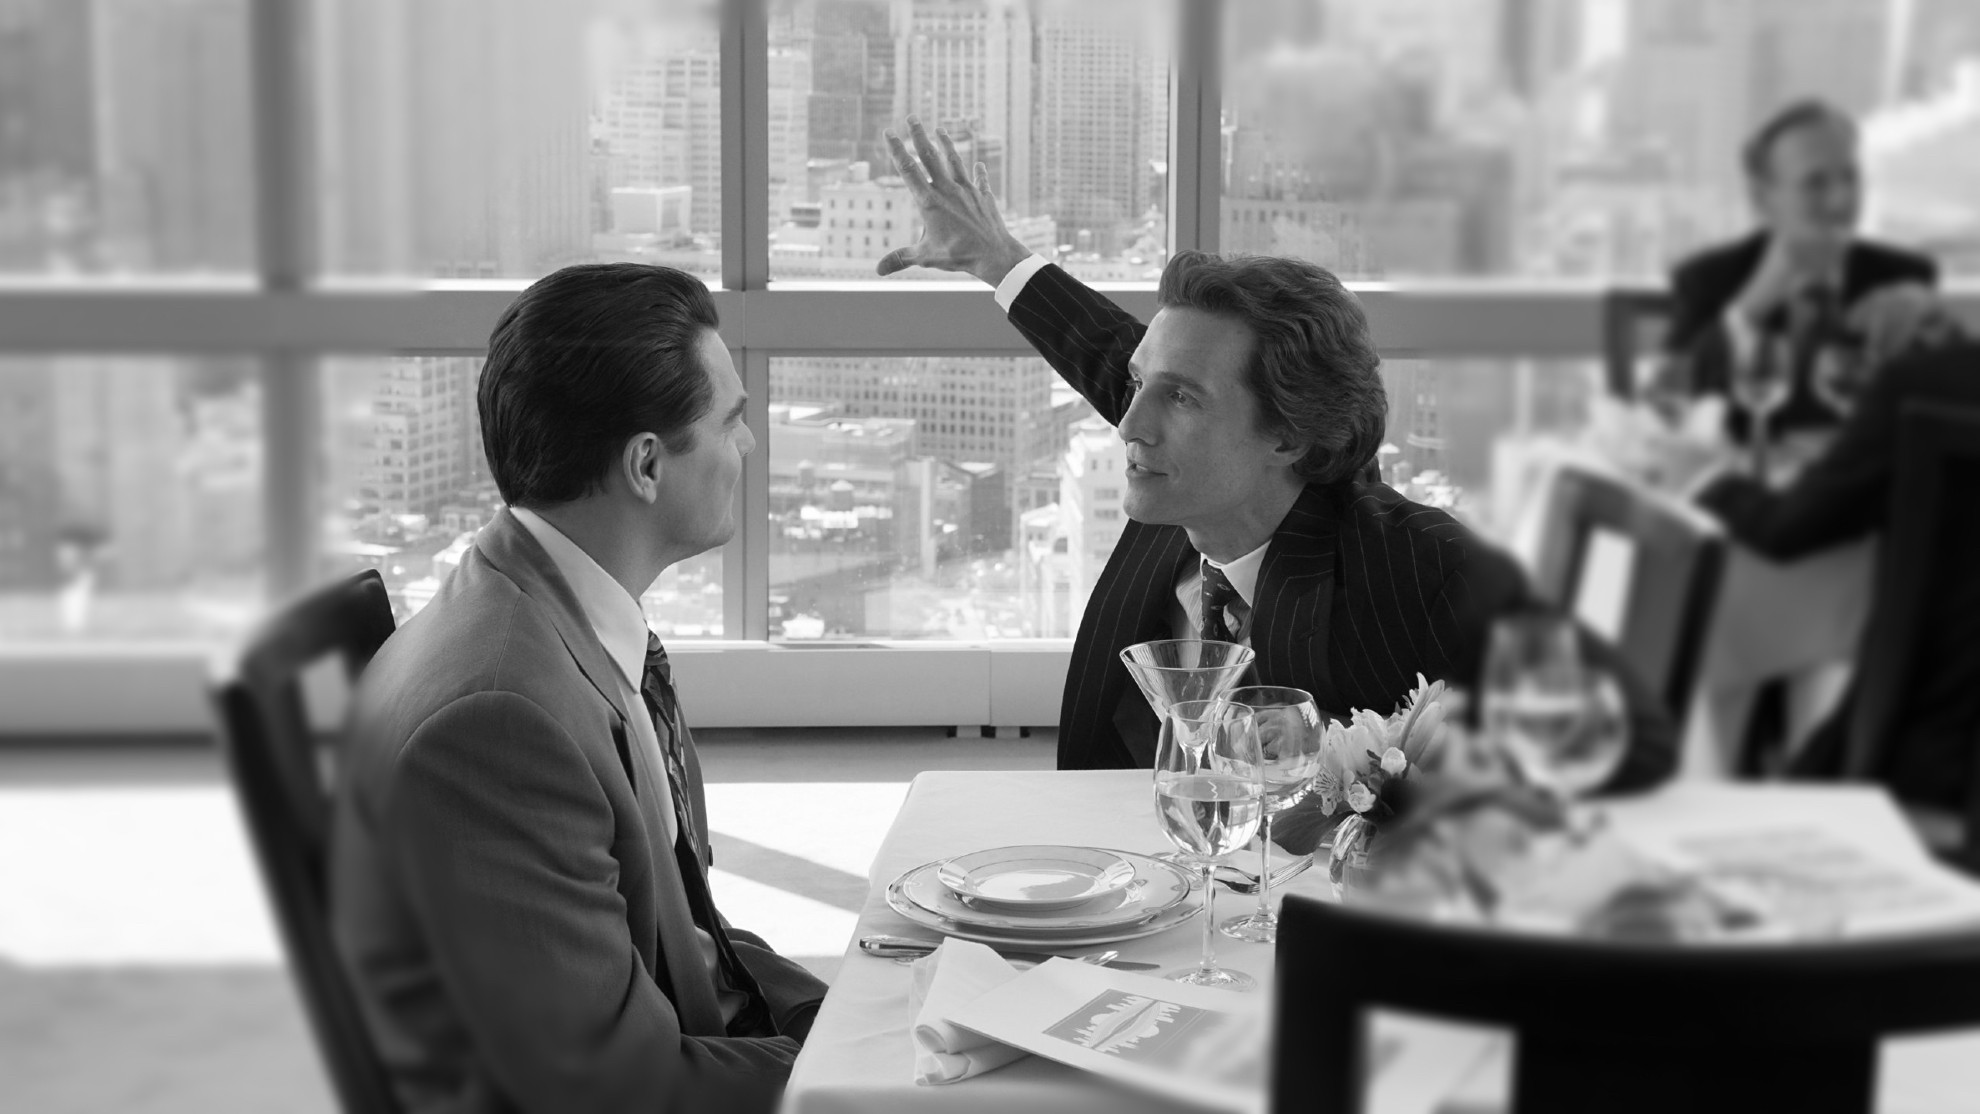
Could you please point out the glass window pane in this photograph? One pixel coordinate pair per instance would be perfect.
(406, 486)
(130, 498)
(934, 497)
(1597, 139)
(125, 138)
(1066, 104)
(1449, 417)
(502, 139)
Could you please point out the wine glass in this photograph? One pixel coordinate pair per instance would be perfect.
(1562, 722)
(1209, 794)
(1761, 386)
(1172, 669)
(1289, 730)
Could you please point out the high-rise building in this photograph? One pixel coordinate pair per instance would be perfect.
(173, 134)
(965, 408)
(662, 121)
(852, 93)
(965, 65)
(424, 445)
(1093, 168)
(790, 122)
(864, 218)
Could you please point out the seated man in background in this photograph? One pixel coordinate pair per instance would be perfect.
(519, 862)
(1844, 494)
(1251, 406)
(1798, 279)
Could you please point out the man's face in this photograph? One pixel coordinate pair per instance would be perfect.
(697, 501)
(1812, 191)
(1196, 455)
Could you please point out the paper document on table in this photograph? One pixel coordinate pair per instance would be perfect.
(1186, 1042)
(1817, 879)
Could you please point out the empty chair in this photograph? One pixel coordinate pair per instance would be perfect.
(1613, 1027)
(284, 780)
(1639, 569)
(1918, 671)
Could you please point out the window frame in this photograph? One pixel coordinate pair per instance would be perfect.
(288, 320)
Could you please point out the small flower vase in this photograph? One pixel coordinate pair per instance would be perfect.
(1347, 863)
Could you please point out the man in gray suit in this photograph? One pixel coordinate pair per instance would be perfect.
(518, 871)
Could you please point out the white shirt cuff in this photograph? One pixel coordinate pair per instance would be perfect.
(1013, 284)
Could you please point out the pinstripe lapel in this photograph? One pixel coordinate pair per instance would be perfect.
(1294, 596)
(1130, 604)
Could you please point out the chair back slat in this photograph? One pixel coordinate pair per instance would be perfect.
(1605, 1026)
(1674, 583)
(279, 775)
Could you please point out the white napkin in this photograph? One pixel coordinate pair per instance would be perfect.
(944, 980)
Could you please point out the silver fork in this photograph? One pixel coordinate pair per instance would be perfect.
(1097, 959)
(1247, 882)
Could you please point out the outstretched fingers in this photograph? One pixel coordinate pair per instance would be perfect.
(910, 169)
(951, 160)
(931, 159)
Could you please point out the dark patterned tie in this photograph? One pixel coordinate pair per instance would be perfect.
(1219, 594)
(656, 687)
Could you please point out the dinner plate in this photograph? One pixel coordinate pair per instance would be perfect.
(1160, 922)
(1035, 877)
(1155, 887)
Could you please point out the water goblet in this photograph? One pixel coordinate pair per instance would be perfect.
(1289, 730)
(1209, 794)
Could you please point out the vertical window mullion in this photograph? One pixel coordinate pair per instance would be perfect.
(1196, 126)
(285, 211)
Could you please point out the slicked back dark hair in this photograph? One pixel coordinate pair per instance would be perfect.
(1758, 153)
(1313, 365)
(582, 361)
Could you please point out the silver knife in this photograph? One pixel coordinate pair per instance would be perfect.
(906, 947)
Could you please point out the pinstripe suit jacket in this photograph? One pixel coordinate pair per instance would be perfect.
(1359, 592)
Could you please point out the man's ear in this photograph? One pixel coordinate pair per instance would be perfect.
(640, 465)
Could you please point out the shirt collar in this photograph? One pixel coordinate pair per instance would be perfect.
(615, 616)
(1243, 572)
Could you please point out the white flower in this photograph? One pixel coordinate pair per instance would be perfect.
(1359, 797)
(1393, 762)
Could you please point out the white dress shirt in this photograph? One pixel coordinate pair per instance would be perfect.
(620, 624)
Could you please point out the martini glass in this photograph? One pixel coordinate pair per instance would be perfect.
(1176, 669)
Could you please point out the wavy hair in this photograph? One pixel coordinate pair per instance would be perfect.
(1313, 365)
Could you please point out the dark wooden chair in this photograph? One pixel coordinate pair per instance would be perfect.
(1633, 324)
(1925, 568)
(1680, 557)
(1614, 1027)
(283, 775)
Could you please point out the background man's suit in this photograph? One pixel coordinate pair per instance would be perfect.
(1360, 589)
(1844, 495)
(1705, 285)
(503, 889)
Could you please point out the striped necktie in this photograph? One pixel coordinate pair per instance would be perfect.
(1218, 595)
(656, 688)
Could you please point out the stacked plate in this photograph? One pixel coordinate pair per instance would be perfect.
(1045, 896)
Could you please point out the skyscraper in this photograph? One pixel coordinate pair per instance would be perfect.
(662, 121)
(851, 104)
(1091, 158)
(965, 65)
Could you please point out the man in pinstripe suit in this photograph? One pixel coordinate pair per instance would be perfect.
(1251, 406)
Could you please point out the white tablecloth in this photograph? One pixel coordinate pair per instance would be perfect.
(858, 1059)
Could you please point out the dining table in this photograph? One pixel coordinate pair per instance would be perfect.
(858, 1058)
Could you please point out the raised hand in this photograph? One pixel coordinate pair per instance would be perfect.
(961, 229)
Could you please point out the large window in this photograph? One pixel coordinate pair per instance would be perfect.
(1065, 104)
(1598, 138)
(130, 498)
(502, 139)
(407, 485)
(251, 251)
(124, 138)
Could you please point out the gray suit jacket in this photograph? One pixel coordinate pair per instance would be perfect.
(502, 889)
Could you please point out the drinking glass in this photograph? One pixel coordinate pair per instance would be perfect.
(1761, 386)
(1562, 722)
(1209, 794)
(1172, 669)
(1289, 731)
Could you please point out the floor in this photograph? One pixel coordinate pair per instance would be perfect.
(139, 970)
